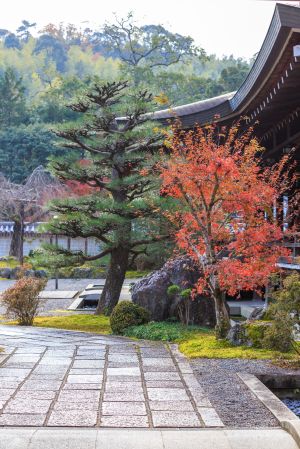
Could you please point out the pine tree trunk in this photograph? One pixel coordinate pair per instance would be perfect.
(114, 281)
(222, 315)
(17, 241)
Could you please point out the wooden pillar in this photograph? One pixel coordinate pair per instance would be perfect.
(86, 247)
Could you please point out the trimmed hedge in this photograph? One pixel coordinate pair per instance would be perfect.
(127, 314)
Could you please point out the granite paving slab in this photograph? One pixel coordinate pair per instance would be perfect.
(79, 405)
(124, 421)
(73, 418)
(167, 394)
(57, 378)
(75, 386)
(175, 419)
(22, 420)
(124, 408)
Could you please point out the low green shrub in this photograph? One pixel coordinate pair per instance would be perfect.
(163, 331)
(274, 335)
(173, 290)
(182, 299)
(255, 333)
(278, 335)
(127, 314)
(284, 312)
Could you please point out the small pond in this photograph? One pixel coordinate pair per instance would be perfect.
(286, 388)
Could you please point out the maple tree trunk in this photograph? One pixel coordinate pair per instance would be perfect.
(222, 315)
(17, 240)
(114, 281)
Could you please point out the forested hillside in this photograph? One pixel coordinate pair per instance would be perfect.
(42, 70)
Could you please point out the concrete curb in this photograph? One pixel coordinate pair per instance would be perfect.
(286, 418)
(88, 438)
(293, 428)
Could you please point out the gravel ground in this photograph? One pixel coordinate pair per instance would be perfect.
(235, 404)
(64, 284)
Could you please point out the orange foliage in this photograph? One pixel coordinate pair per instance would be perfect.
(225, 219)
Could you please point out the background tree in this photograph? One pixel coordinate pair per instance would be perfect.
(24, 30)
(224, 217)
(22, 203)
(12, 99)
(24, 148)
(233, 76)
(39, 75)
(122, 157)
(50, 105)
(145, 47)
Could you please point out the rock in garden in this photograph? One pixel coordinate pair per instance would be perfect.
(151, 292)
(82, 273)
(40, 274)
(257, 313)
(5, 273)
(237, 336)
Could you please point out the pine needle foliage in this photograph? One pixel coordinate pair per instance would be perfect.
(113, 153)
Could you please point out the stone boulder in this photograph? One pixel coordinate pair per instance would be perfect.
(5, 273)
(237, 335)
(13, 273)
(82, 273)
(40, 274)
(257, 314)
(151, 292)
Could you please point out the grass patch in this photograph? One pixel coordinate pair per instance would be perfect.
(10, 263)
(195, 341)
(136, 274)
(206, 346)
(87, 323)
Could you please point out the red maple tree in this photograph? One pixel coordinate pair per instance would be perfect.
(225, 219)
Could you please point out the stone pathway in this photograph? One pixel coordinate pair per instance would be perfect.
(62, 378)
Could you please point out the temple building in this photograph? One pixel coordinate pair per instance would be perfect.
(270, 94)
(269, 98)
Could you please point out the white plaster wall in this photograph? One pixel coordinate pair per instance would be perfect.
(34, 243)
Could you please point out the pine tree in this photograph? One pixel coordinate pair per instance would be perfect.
(12, 99)
(120, 158)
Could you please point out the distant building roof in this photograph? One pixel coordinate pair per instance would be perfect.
(7, 227)
(193, 108)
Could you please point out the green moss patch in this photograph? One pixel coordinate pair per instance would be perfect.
(86, 323)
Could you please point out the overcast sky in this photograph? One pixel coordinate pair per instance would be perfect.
(223, 27)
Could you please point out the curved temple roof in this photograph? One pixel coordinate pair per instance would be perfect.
(282, 35)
